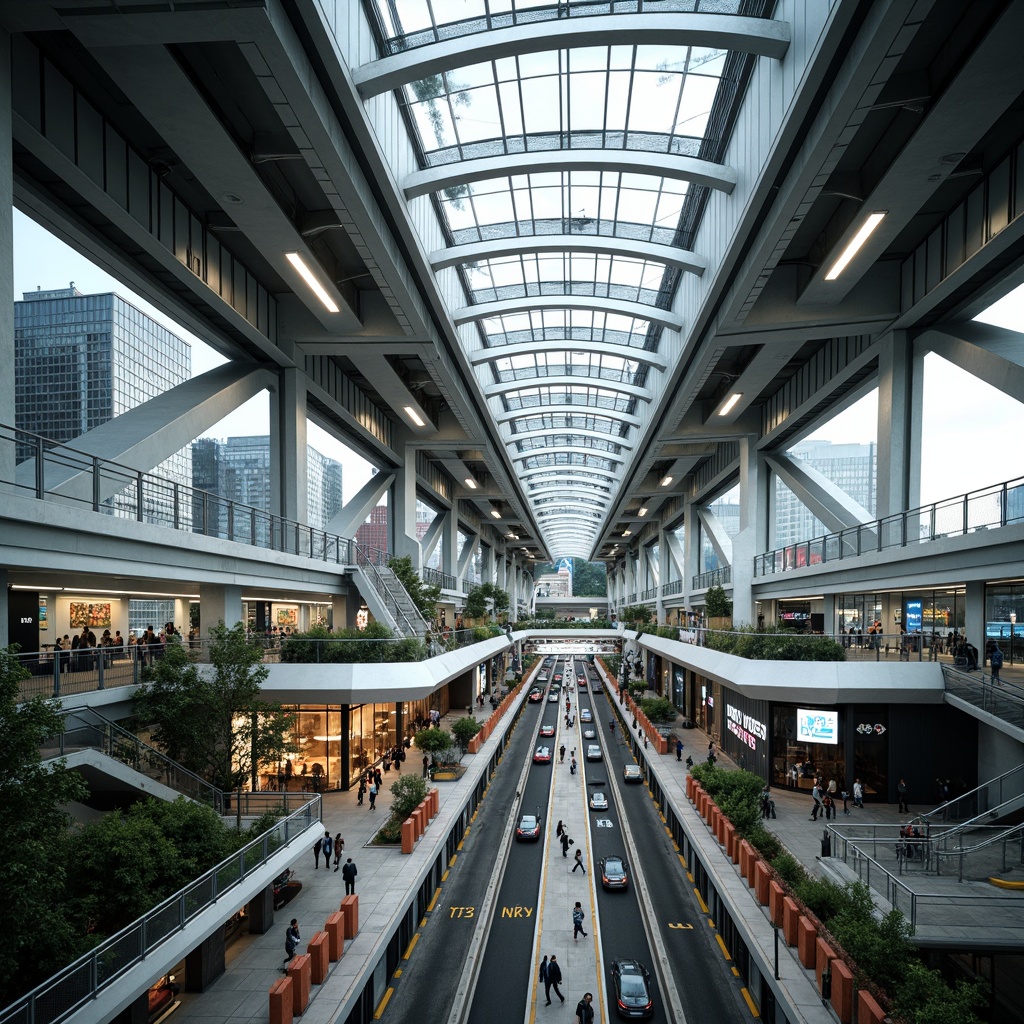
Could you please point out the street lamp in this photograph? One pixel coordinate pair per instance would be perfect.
(1013, 622)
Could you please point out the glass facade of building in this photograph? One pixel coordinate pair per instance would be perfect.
(82, 360)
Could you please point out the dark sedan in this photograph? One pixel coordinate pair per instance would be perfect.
(528, 828)
(631, 985)
(613, 873)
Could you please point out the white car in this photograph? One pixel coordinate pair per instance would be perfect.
(589, 734)
(598, 801)
(585, 715)
(593, 752)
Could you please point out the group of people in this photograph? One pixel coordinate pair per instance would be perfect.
(326, 845)
(80, 652)
(369, 785)
(562, 837)
(824, 796)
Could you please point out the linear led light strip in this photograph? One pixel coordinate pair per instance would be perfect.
(307, 275)
(856, 242)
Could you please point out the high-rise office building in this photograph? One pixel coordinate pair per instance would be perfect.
(851, 467)
(81, 360)
(238, 470)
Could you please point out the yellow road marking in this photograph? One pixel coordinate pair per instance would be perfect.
(398, 972)
(711, 924)
(721, 943)
(444, 877)
(379, 1012)
(700, 899)
(736, 972)
(423, 923)
(750, 1003)
(430, 905)
(451, 863)
(411, 946)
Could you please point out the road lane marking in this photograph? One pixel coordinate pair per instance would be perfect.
(750, 1003)
(722, 946)
(382, 1006)
(430, 905)
(411, 946)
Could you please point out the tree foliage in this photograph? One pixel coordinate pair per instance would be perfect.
(215, 722)
(775, 645)
(425, 596)
(434, 741)
(33, 841)
(717, 604)
(636, 613)
(477, 599)
(464, 729)
(658, 709)
(375, 643)
(408, 792)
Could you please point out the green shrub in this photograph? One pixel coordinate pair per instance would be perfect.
(925, 998)
(822, 898)
(789, 869)
(658, 709)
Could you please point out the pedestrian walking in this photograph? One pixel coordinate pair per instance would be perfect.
(995, 662)
(901, 791)
(577, 920)
(559, 830)
(554, 979)
(349, 872)
(679, 750)
(846, 796)
(858, 793)
(373, 796)
(339, 848)
(328, 849)
(584, 1011)
(561, 752)
(544, 980)
(566, 843)
(317, 847)
(816, 797)
(572, 766)
(360, 792)
(426, 766)
(578, 863)
(291, 942)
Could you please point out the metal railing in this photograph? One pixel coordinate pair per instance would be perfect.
(434, 577)
(113, 489)
(672, 587)
(81, 982)
(374, 563)
(713, 578)
(1003, 699)
(900, 895)
(988, 800)
(86, 728)
(63, 673)
(985, 509)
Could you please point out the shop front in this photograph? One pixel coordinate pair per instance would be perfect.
(807, 744)
(744, 731)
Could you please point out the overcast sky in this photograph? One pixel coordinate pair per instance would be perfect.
(971, 437)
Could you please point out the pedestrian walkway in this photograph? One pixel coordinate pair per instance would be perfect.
(561, 886)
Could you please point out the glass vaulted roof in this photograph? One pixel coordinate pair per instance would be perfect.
(561, 175)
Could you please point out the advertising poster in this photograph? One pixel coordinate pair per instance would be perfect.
(93, 616)
(817, 726)
(43, 624)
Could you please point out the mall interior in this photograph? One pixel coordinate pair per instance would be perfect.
(578, 280)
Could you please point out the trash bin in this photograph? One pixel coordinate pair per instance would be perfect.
(826, 844)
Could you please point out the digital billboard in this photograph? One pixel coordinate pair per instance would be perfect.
(817, 726)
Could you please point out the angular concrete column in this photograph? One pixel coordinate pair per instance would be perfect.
(403, 508)
(450, 542)
(900, 399)
(218, 604)
(289, 464)
(339, 612)
(752, 536)
(974, 617)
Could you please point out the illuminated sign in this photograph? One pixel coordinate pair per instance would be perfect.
(913, 622)
(745, 728)
(817, 726)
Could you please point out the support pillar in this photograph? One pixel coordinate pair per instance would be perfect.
(402, 507)
(900, 383)
(752, 536)
(205, 964)
(974, 617)
(289, 468)
(450, 544)
(6, 277)
(5, 610)
(260, 912)
(339, 612)
(219, 604)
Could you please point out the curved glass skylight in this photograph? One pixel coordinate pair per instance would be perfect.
(567, 182)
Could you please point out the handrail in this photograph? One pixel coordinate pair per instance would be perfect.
(713, 578)
(117, 742)
(370, 557)
(81, 982)
(974, 799)
(984, 509)
(147, 497)
(445, 580)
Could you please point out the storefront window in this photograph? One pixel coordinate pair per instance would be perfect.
(806, 745)
(372, 729)
(871, 749)
(315, 765)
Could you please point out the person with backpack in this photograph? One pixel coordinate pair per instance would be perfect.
(339, 849)
(996, 662)
(328, 845)
(577, 921)
(373, 796)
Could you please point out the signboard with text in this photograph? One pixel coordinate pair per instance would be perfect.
(814, 726)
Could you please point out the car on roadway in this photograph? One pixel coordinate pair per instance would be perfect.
(598, 801)
(558, 677)
(542, 755)
(547, 730)
(597, 687)
(536, 695)
(548, 662)
(553, 697)
(613, 872)
(528, 829)
(542, 678)
(589, 734)
(593, 752)
(586, 715)
(632, 773)
(582, 682)
(631, 985)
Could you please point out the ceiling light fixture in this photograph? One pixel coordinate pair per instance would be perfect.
(855, 244)
(665, 481)
(626, 533)
(470, 483)
(495, 513)
(315, 286)
(414, 416)
(730, 402)
(642, 512)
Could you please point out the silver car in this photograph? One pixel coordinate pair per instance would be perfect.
(598, 801)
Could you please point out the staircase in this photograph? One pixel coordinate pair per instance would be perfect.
(385, 595)
(974, 691)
